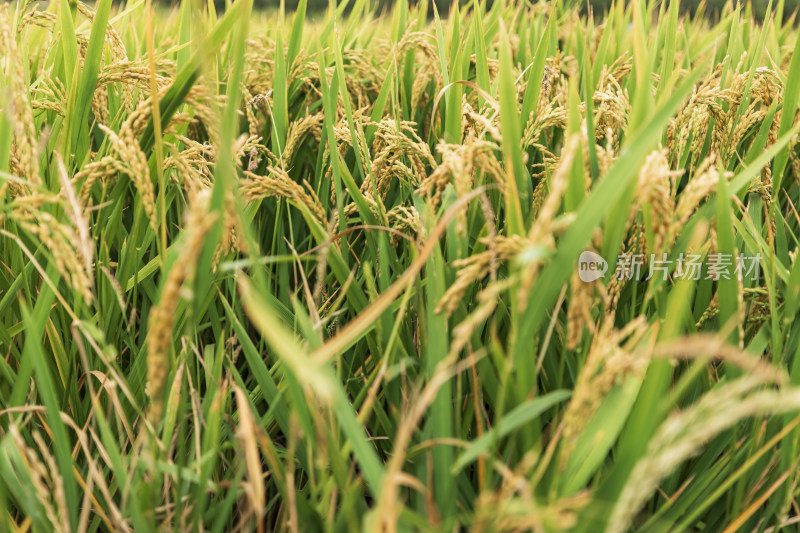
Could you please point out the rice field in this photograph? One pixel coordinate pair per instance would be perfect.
(515, 267)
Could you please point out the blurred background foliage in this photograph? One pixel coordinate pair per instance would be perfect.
(710, 8)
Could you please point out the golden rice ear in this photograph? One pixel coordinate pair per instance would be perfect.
(410, 424)
(579, 310)
(656, 189)
(135, 164)
(96, 172)
(279, 184)
(308, 125)
(47, 484)
(614, 354)
(474, 268)
(405, 220)
(703, 183)
(684, 434)
(488, 300)
(159, 334)
(541, 232)
(61, 241)
(17, 101)
(113, 39)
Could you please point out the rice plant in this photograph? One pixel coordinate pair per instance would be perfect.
(506, 268)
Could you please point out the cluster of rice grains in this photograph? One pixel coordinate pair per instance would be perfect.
(409, 196)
